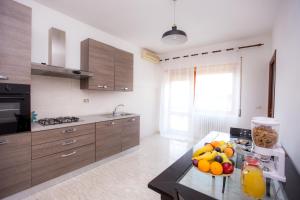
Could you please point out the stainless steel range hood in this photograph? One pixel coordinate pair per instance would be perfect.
(57, 59)
(57, 47)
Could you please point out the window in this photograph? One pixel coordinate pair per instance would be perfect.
(197, 100)
(216, 90)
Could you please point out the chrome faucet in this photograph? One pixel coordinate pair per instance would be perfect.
(116, 109)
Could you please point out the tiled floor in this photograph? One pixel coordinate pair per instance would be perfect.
(122, 177)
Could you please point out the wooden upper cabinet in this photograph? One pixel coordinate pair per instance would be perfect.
(112, 67)
(97, 58)
(15, 42)
(123, 70)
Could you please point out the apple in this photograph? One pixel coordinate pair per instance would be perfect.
(227, 168)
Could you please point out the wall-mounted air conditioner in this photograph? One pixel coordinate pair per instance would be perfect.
(150, 56)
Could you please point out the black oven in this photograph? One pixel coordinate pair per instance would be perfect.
(14, 108)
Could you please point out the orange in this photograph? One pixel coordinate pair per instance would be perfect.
(229, 152)
(203, 165)
(215, 143)
(216, 168)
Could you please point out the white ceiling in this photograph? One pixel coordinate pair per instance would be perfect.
(142, 22)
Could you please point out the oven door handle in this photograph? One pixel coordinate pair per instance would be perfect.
(20, 98)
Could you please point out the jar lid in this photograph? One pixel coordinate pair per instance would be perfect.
(265, 121)
(251, 160)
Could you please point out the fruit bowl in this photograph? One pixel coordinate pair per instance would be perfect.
(214, 158)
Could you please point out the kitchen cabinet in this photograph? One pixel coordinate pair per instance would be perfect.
(112, 68)
(15, 165)
(123, 70)
(15, 47)
(97, 58)
(115, 136)
(130, 132)
(59, 151)
(52, 166)
(52, 135)
(28, 159)
(108, 138)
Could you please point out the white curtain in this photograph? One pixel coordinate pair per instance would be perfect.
(177, 103)
(216, 104)
(191, 108)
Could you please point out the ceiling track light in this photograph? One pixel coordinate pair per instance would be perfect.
(174, 36)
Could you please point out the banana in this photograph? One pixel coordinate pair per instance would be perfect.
(229, 144)
(202, 150)
(207, 156)
(213, 155)
(223, 146)
(224, 157)
(203, 156)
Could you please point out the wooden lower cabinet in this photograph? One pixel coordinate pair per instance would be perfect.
(108, 138)
(15, 165)
(49, 148)
(14, 179)
(131, 133)
(29, 159)
(52, 166)
(115, 136)
(41, 137)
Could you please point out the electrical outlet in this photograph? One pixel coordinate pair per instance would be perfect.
(86, 100)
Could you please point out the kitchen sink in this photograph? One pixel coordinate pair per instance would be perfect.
(110, 115)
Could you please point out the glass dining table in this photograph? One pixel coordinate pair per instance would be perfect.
(213, 185)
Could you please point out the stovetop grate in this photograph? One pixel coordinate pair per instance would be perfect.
(58, 120)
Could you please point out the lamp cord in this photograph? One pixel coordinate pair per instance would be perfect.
(174, 12)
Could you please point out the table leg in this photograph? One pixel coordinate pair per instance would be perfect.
(224, 182)
(268, 186)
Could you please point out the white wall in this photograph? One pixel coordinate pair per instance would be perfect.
(255, 72)
(286, 39)
(59, 97)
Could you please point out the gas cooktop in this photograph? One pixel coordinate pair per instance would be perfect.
(58, 120)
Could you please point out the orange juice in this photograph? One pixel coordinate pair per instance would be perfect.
(252, 179)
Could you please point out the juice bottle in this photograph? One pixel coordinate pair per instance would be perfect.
(252, 180)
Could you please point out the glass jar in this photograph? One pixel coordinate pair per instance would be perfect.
(252, 179)
(264, 131)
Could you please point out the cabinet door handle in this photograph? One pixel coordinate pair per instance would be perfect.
(69, 142)
(69, 154)
(125, 88)
(102, 86)
(113, 123)
(5, 141)
(2, 77)
(133, 119)
(70, 130)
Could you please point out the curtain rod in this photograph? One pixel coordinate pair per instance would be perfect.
(214, 51)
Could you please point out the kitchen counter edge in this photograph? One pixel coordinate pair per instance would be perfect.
(87, 119)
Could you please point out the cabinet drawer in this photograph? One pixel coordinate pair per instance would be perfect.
(52, 166)
(15, 149)
(108, 138)
(15, 179)
(41, 137)
(46, 149)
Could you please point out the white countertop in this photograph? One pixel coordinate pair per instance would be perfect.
(87, 119)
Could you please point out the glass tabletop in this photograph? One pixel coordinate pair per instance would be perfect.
(206, 184)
